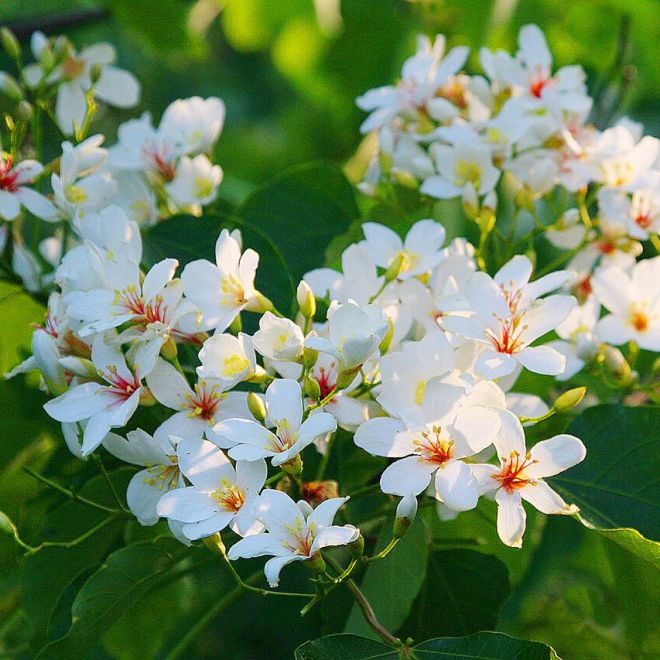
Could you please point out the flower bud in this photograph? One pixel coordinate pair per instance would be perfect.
(256, 406)
(169, 349)
(95, 73)
(306, 300)
(24, 110)
(10, 88)
(524, 199)
(490, 202)
(78, 366)
(345, 378)
(395, 267)
(293, 467)
(404, 178)
(260, 303)
(6, 525)
(147, 399)
(569, 399)
(316, 492)
(312, 389)
(310, 356)
(215, 544)
(406, 511)
(10, 43)
(618, 366)
(385, 343)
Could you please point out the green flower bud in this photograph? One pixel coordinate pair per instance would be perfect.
(618, 366)
(147, 399)
(306, 300)
(215, 544)
(395, 267)
(316, 563)
(24, 110)
(384, 345)
(569, 399)
(310, 356)
(256, 406)
(169, 349)
(10, 43)
(406, 511)
(312, 389)
(95, 73)
(10, 88)
(294, 467)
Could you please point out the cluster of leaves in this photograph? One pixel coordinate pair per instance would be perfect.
(90, 576)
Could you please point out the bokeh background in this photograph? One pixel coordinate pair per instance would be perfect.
(289, 71)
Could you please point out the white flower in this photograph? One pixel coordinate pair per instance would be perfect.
(634, 302)
(279, 338)
(464, 163)
(199, 408)
(641, 214)
(354, 335)
(105, 406)
(579, 342)
(227, 359)
(520, 476)
(195, 181)
(358, 281)
(294, 532)
(221, 495)
(248, 440)
(507, 319)
(568, 232)
(223, 290)
(197, 121)
(80, 186)
(419, 253)
(14, 192)
(422, 76)
(452, 430)
(115, 87)
(158, 456)
(405, 373)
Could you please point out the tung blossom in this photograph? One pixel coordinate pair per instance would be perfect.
(294, 532)
(520, 476)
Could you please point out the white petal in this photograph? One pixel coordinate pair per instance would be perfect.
(251, 475)
(204, 464)
(256, 546)
(187, 505)
(378, 437)
(546, 500)
(555, 455)
(233, 432)
(273, 567)
(117, 87)
(335, 535)
(168, 385)
(511, 436)
(70, 106)
(491, 364)
(456, 487)
(325, 512)
(142, 497)
(203, 528)
(542, 360)
(511, 518)
(315, 426)
(407, 476)
(284, 402)
(80, 402)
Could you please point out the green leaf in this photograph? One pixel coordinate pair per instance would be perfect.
(468, 587)
(391, 584)
(617, 486)
(126, 576)
(482, 646)
(300, 212)
(343, 647)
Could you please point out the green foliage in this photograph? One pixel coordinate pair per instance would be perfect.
(482, 646)
(392, 584)
(462, 594)
(616, 486)
(123, 579)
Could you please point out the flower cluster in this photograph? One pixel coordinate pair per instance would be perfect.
(151, 173)
(411, 348)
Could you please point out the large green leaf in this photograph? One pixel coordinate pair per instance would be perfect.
(462, 594)
(391, 584)
(482, 646)
(126, 576)
(617, 486)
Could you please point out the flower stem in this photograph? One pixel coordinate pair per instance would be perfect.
(384, 552)
(71, 495)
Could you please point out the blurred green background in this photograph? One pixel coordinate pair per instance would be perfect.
(289, 71)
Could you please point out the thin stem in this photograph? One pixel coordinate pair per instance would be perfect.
(324, 400)
(71, 495)
(208, 617)
(111, 486)
(367, 609)
(536, 420)
(274, 478)
(382, 288)
(384, 552)
(74, 542)
(325, 459)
